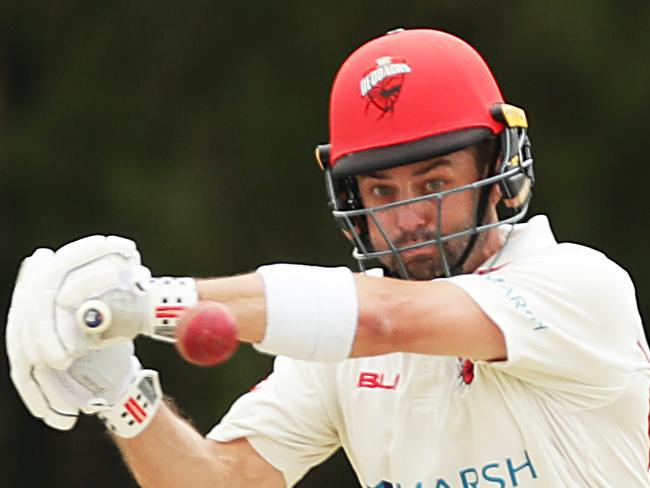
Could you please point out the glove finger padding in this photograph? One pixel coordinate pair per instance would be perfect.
(86, 250)
(32, 266)
(102, 376)
(39, 394)
(81, 270)
(21, 348)
(105, 273)
(94, 383)
(56, 388)
(21, 331)
(113, 280)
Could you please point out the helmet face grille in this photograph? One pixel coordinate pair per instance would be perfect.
(451, 246)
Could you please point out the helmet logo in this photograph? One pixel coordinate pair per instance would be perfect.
(382, 83)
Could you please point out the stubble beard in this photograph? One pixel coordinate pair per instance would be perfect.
(426, 267)
(430, 266)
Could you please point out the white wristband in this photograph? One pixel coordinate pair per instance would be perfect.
(311, 312)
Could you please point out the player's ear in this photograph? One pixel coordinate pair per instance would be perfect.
(495, 191)
(495, 195)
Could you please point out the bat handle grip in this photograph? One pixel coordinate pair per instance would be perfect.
(94, 316)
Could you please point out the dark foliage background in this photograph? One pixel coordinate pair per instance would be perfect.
(189, 128)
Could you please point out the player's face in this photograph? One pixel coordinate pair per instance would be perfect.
(417, 222)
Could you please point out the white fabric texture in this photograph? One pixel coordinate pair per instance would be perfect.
(569, 407)
(299, 428)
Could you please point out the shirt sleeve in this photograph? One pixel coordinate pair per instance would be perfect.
(570, 323)
(286, 418)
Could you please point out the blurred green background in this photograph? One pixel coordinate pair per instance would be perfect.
(189, 127)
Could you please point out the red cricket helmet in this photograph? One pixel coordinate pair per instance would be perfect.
(401, 91)
(412, 95)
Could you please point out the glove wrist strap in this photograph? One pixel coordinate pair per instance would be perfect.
(133, 413)
(168, 300)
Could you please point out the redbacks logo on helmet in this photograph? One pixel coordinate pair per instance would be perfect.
(382, 83)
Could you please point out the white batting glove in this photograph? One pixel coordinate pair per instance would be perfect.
(108, 382)
(59, 367)
(52, 286)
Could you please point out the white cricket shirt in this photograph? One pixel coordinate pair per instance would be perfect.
(568, 408)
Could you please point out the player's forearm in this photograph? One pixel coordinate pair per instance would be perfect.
(244, 297)
(433, 317)
(422, 317)
(170, 453)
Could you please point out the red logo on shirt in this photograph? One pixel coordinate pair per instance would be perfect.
(377, 380)
(466, 371)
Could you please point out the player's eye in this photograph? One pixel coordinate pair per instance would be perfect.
(382, 191)
(432, 186)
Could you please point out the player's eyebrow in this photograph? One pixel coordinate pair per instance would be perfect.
(434, 163)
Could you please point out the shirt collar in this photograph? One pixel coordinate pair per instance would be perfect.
(522, 240)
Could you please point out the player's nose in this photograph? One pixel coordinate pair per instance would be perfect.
(410, 217)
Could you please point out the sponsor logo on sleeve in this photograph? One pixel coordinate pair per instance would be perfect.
(517, 299)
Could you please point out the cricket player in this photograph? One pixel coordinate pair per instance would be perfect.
(473, 350)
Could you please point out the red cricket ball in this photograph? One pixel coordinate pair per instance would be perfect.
(206, 334)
